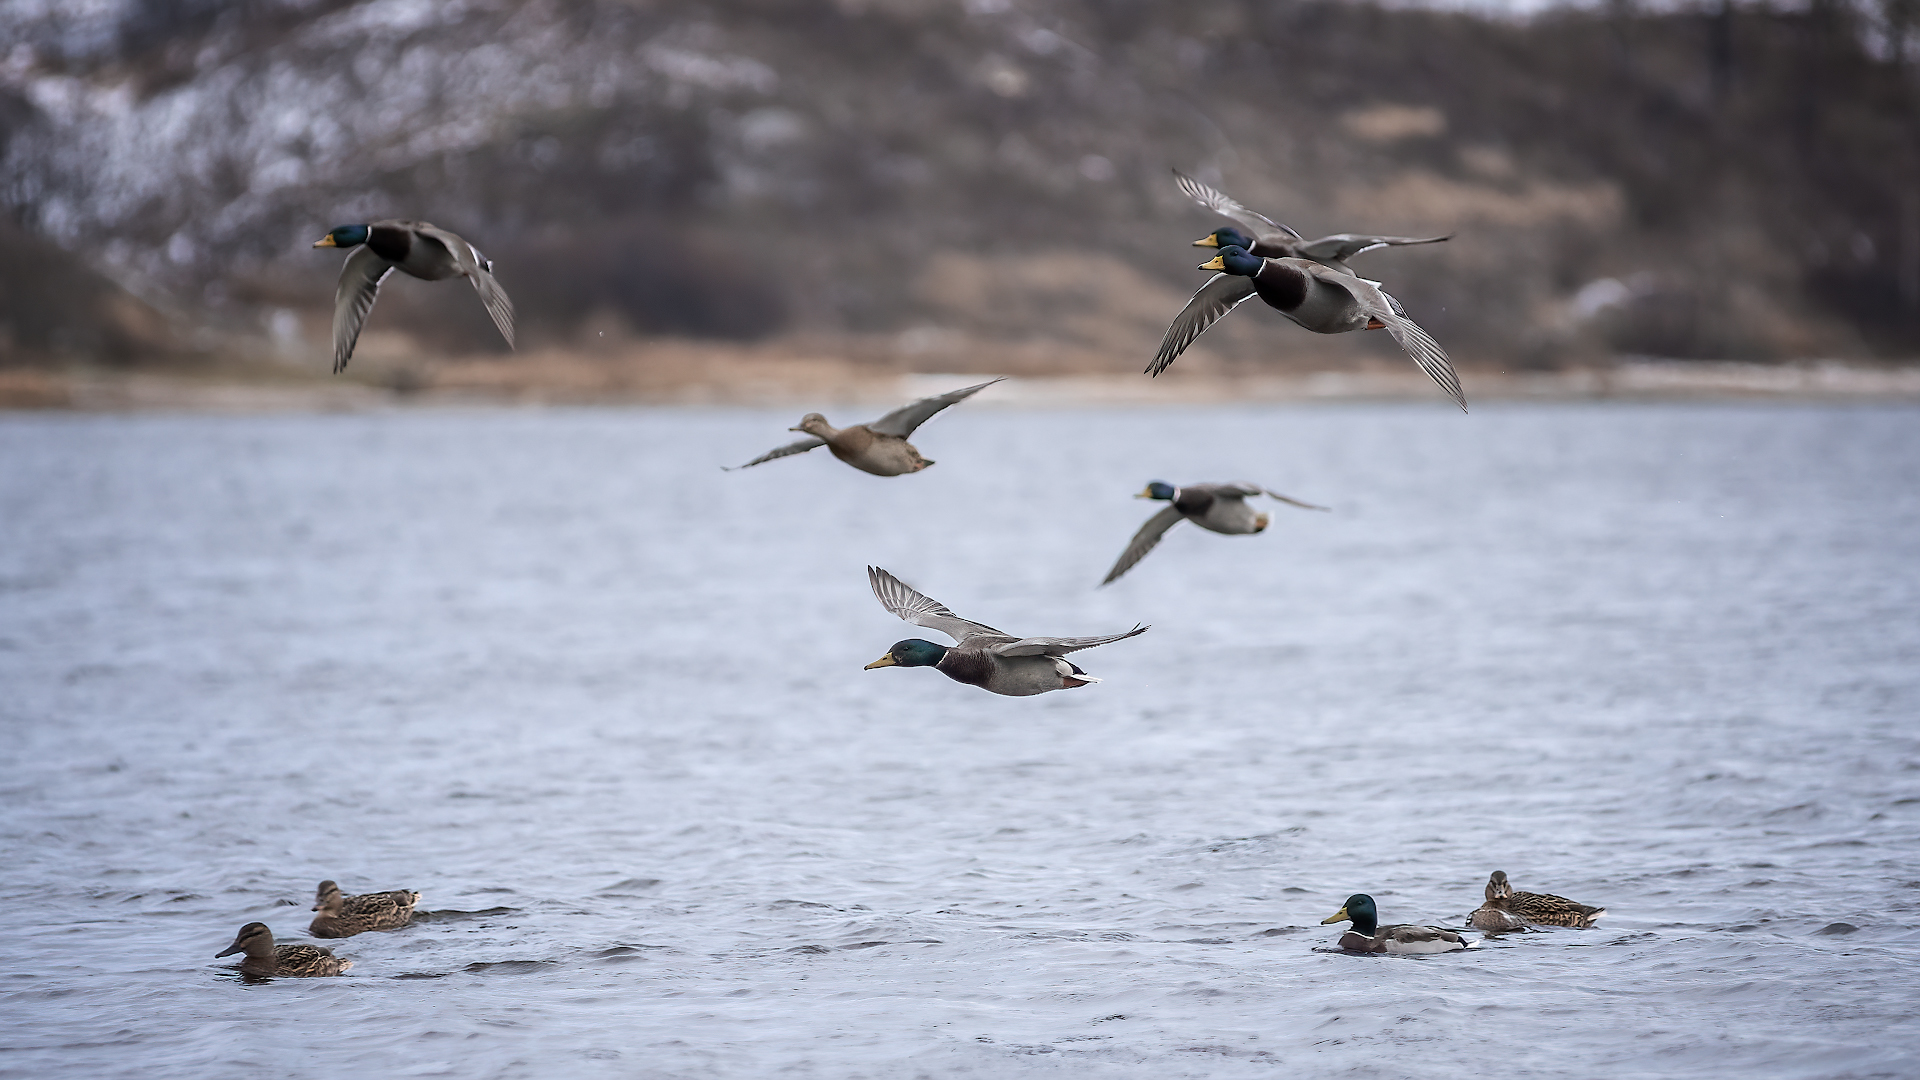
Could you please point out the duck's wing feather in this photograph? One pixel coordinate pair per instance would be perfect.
(1417, 343)
(1409, 934)
(1060, 646)
(1244, 490)
(903, 420)
(1143, 541)
(788, 450)
(1343, 246)
(910, 605)
(1260, 225)
(479, 271)
(359, 285)
(1221, 294)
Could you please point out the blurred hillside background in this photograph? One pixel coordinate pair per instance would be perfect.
(939, 185)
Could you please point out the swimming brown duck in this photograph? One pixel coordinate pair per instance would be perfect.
(344, 916)
(425, 251)
(879, 447)
(264, 958)
(1272, 240)
(1544, 909)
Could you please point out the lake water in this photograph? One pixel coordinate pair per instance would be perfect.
(603, 705)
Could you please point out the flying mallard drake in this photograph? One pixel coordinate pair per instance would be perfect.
(264, 958)
(1366, 935)
(992, 660)
(428, 252)
(1272, 240)
(1220, 508)
(1318, 297)
(880, 447)
(1543, 908)
(344, 916)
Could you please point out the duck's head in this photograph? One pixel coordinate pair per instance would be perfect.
(1227, 237)
(327, 894)
(1359, 911)
(1159, 489)
(912, 652)
(344, 236)
(253, 938)
(813, 424)
(1233, 259)
(1497, 886)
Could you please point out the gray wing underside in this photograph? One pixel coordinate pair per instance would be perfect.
(480, 272)
(1244, 490)
(788, 450)
(1220, 295)
(1144, 541)
(910, 605)
(359, 285)
(1343, 246)
(1260, 225)
(901, 421)
(1417, 343)
(1060, 646)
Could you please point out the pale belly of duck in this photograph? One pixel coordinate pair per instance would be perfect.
(879, 455)
(1233, 517)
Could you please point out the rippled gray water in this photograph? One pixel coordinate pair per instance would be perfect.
(562, 675)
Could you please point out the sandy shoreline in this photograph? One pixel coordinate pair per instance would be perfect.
(689, 378)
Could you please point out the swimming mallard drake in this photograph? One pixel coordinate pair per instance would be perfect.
(1318, 297)
(880, 447)
(992, 660)
(1220, 508)
(428, 252)
(1366, 935)
(1272, 240)
(344, 916)
(286, 961)
(1543, 908)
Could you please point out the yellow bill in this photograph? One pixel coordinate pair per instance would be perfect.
(885, 661)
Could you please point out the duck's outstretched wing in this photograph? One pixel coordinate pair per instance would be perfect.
(1060, 646)
(359, 285)
(1343, 246)
(1387, 311)
(788, 450)
(478, 270)
(901, 421)
(1260, 225)
(1143, 541)
(910, 605)
(1221, 294)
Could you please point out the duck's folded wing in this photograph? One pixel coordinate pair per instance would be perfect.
(1221, 294)
(788, 450)
(1260, 225)
(1342, 246)
(478, 270)
(1409, 934)
(903, 420)
(1143, 541)
(1060, 646)
(359, 285)
(1417, 343)
(911, 605)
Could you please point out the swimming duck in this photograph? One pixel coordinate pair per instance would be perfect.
(1491, 918)
(1318, 297)
(992, 660)
(1220, 508)
(1272, 240)
(287, 961)
(344, 916)
(428, 252)
(880, 447)
(1367, 936)
(1543, 908)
